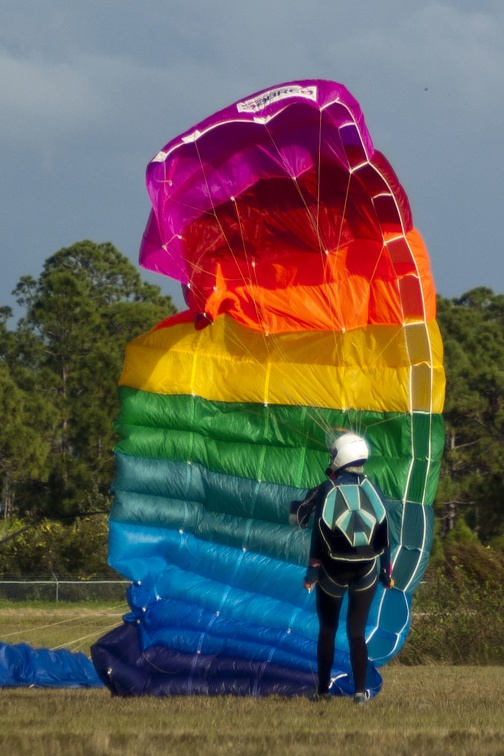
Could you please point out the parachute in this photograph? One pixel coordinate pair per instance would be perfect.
(310, 309)
(22, 665)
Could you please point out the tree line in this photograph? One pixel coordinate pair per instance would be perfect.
(59, 367)
(58, 378)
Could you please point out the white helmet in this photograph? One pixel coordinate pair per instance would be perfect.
(348, 449)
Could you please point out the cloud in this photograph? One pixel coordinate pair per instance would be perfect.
(465, 47)
(89, 101)
(40, 97)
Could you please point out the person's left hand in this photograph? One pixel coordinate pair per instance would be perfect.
(309, 586)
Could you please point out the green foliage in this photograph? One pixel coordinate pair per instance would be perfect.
(461, 533)
(55, 548)
(25, 431)
(437, 551)
(472, 485)
(497, 542)
(59, 371)
(457, 613)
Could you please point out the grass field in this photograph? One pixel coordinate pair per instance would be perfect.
(421, 710)
(75, 626)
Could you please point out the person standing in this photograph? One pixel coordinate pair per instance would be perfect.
(349, 552)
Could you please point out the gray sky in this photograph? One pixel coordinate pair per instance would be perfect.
(90, 90)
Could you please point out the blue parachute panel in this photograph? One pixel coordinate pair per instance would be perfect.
(22, 665)
(193, 601)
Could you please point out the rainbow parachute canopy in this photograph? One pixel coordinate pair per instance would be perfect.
(311, 307)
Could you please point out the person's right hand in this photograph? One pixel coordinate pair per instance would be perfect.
(385, 579)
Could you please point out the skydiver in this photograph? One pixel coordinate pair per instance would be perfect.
(349, 551)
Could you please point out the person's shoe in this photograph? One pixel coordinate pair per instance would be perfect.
(317, 697)
(361, 698)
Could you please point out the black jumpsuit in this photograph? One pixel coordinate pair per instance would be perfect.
(337, 566)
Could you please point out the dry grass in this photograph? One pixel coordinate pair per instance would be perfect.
(421, 710)
(51, 625)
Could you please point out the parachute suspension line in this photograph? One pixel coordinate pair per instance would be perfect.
(379, 256)
(330, 281)
(269, 339)
(148, 661)
(314, 413)
(250, 266)
(355, 425)
(311, 218)
(213, 212)
(315, 225)
(77, 618)
(266, 337)
(344, 211)
(314, 220)
(253, 280)
(319, 171)
(395, 336)
(302, 458)
(63, 622)
(334, 307)
(78, 643)
(237, 342)
(182, 268)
